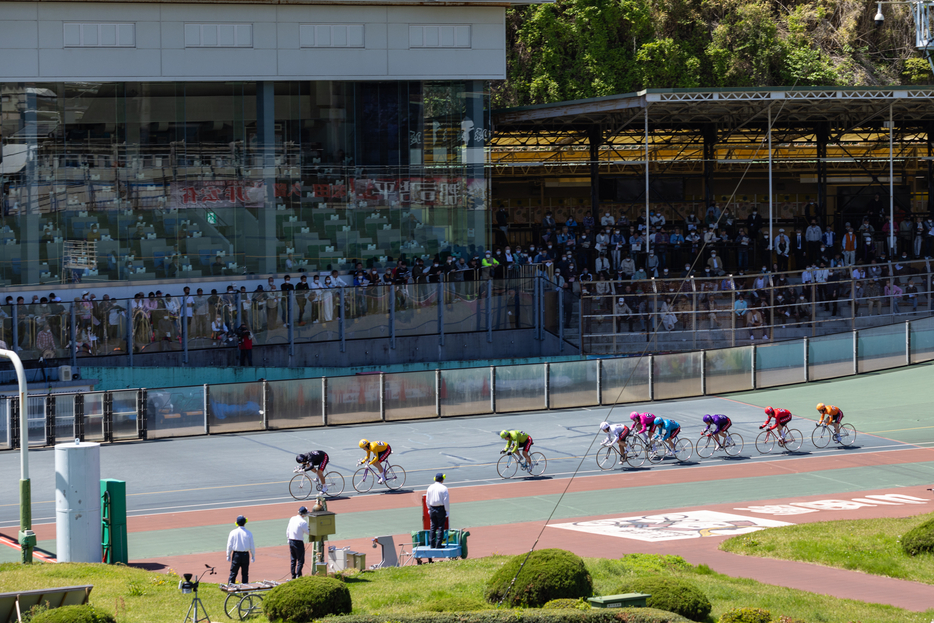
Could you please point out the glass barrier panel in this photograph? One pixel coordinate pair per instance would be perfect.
(551, 307)
(64, 418)
(5, 423)
(830, 356)
(235, 407)
(368, 317)
(728, 370)
(296, 403)
(156, 326)
(123, 406)
(520, 388)
(881, 348)
(410, 395)
(677, 375)
(320, 315)
(625, 380)
(465, 391)
(922, 340)
(353, 399)
(175, 412)
(573, 384)
(781, 363)
(417, 309)
(467, 312)
(94, 417)
(35, 420)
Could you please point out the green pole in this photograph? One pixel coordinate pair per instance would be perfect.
(27, 538)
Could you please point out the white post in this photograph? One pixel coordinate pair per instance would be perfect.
(771, 236)
(891, 187)
(27, 538)
(648, 236)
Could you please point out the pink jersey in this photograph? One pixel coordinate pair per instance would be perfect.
(646, 421)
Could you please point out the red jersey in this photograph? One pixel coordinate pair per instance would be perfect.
(782, 416)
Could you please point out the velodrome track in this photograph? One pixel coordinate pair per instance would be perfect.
(184, 493)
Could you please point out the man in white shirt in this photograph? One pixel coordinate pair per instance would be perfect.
(439, 507)
(782, 248)
(298, 528)
(240, 551)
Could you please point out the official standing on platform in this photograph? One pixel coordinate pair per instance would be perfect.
(439, 507)
(298, 527)
(240, 551)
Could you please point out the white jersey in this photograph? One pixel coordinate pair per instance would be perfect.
(613, 434)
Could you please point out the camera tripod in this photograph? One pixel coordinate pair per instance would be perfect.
(192, 615)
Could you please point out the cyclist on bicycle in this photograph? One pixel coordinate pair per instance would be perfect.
(380, 451)
(516, 439)
(720, 424)
(833, 415)
(782, 417)
(668, 432)
(315, 461)
(616, 433)
(646, 423)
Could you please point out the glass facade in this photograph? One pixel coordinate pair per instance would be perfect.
(188, 179)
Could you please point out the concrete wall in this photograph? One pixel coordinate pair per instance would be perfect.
(33, 42)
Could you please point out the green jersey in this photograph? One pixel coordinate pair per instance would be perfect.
(514, 438)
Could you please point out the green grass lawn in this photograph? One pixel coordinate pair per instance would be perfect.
(867, 545)
(146, 597)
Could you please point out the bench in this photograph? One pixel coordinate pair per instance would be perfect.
(626, 600)
(14, 605)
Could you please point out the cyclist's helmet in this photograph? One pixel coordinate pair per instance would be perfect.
(634, 416)
(708, 419)
(299, 458)
(820, 407)
(604, 426)
(769, 411)
(503, 434)
(364, 444)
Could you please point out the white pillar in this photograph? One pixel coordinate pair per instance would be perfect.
(78, 502)
(771, 191)
(648, 236)
(891, 249)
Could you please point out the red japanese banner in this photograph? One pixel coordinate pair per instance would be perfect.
(219, 194)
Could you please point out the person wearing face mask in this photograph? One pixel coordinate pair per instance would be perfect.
(651, 264)
(627, 266)
(782, 246)
(715, 264)
(602, 264)
(616, 246)
(607, 220)
(603, 241)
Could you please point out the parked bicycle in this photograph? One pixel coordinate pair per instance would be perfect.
(511, 462)
(768, 439)
(608, 455)
(364, 477)
(707, 444)
(658, 450)
(303, 484)
(823, 434)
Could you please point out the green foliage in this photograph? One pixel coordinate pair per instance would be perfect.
(306, 599)
(920, 539)
(917, 70)
(746, 615)
(671, 594)
(73, 614)
(567, 604)
(454, 603)
(597, 615)
(547, 574)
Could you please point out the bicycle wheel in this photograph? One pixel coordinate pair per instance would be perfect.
(539, 463)
(363, 480)
(335, 484)
(245, 607)
(608, 457)
(301, 486)
(395, 477)
(635, 452)
(793, 440)
(765, 442)
(507, 466)
(657, 450)
(706, 445)
(230, 605)
(821, 436)
(683, 450)
(847, 435)
(734, 444)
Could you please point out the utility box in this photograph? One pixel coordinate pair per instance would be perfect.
(626, 600)
(320, 524)
(78, 502)
(341, 559)
(113, 521)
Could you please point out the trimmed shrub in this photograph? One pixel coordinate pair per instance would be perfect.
(596, 615)
(548, 574)
(567, 604)
(746, 615)
(671, 594)
(73, 614)
(455, 603)
(305, 599)
(919, 539)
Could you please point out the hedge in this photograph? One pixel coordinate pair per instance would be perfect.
(596, 615)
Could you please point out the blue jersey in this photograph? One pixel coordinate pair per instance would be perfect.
(665, 427)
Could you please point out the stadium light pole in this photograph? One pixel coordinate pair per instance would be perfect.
(771, 198)
(891, 184)
(648, 220)
(27, 539)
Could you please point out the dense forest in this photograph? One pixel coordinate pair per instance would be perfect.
(575, 49)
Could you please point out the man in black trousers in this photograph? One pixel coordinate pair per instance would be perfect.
(439, 505)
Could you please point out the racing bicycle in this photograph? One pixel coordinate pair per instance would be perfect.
(769, 438)
(608, 455)
(658, 450)
(823, 434)
(364, 477)
(709, 443)
(303, 484)
(511, 462)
